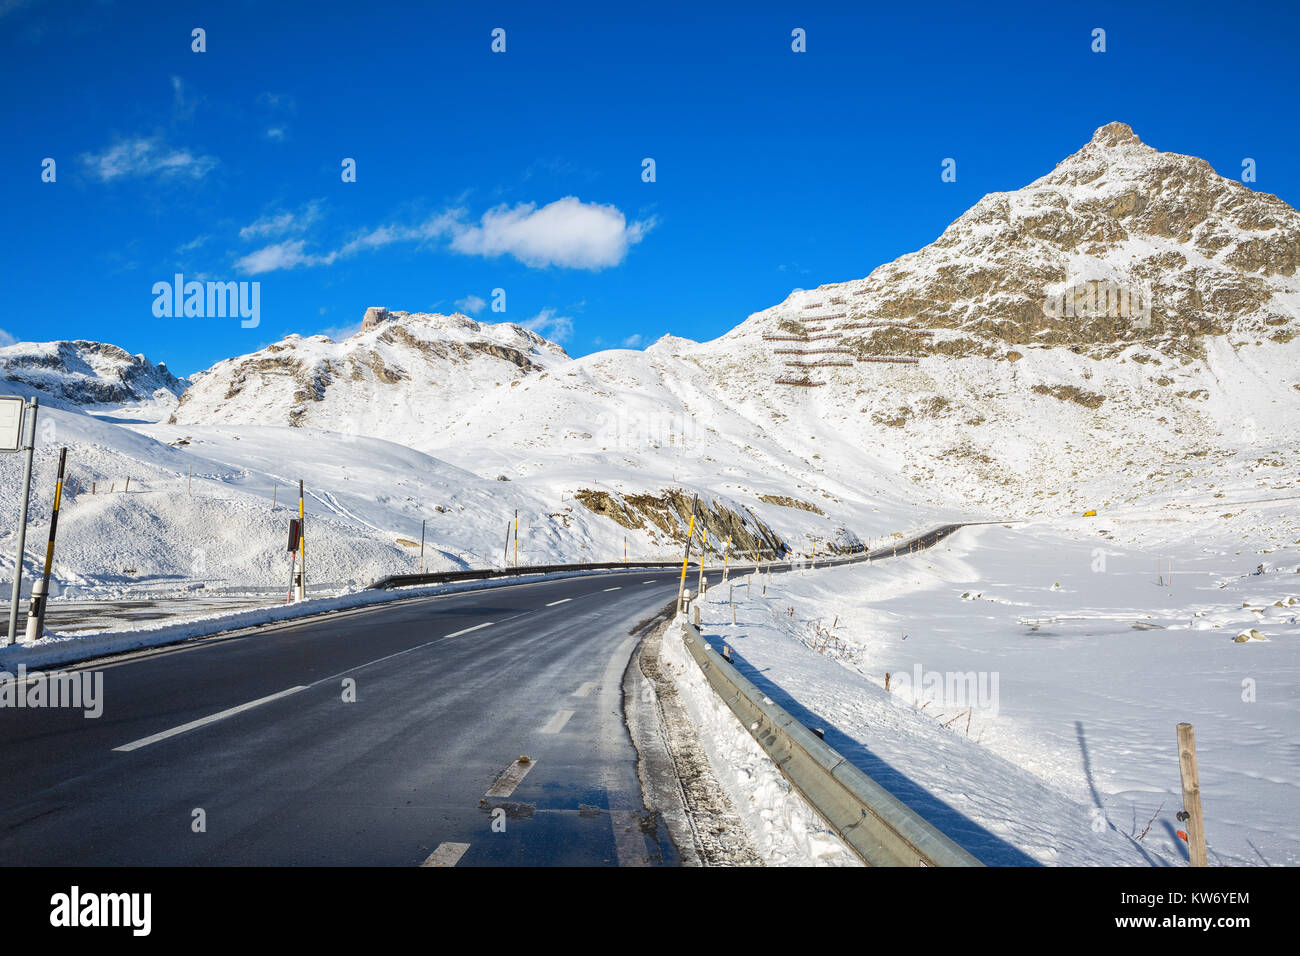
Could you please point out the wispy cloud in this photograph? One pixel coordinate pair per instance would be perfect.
(275, 107)
(633, 341)
(279, 102)
(146, 157)
(183, 105)
(193, 244)
(282, 223)
(557, 328)
(6, 338)
(471, 304)
(282, 255)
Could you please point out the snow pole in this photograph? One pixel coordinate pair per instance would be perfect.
(690, 533)
(41, 588)
(516, 539)
(422, 523)
(704, 551)
(302, 545)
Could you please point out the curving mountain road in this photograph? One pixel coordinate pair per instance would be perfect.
(253, 737)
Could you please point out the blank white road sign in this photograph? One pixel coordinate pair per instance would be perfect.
(11, 422)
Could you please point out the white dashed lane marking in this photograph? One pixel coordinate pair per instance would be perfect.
(447, 854)
(507, 782)
(557, 722)
(476, 627)
(203, 721)
(560, 601)
(619, 588)
(585, 689)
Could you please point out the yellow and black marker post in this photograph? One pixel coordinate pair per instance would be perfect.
(302, 545)
(686, 558)
(41, 588)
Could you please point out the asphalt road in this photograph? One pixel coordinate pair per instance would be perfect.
(255, 738)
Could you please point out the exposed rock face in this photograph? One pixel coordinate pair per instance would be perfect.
(1118, 244)
(666, 517)
(86, 373)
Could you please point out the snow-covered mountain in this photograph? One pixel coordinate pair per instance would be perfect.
(1117, 335)
(1197, 254)
(85, 373)
(395, 379)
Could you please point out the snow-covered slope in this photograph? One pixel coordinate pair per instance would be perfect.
(82, 373)
(397, 380)
(1123, 326)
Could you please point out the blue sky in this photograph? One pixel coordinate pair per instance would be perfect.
(523, 170)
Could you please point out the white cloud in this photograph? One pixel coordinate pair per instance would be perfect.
(281, 255)
(557, 328)
(147, 156)
(281, 223)
(632, 341)
(6, 338)
(276, 134)
(471, 304)
(567, 232)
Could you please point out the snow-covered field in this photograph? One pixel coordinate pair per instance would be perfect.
(1037, 674)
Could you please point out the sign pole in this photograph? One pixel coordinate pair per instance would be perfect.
(30, 427)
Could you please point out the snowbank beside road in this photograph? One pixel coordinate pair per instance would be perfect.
(1027, 716)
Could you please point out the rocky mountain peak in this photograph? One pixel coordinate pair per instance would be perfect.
(1120, 244)
(1116, 134)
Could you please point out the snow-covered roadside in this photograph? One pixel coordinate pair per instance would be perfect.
(56, 648)
(1063, 752)
(781, 825)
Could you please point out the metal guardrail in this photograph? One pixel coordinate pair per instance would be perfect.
(877, 825)
(479, 574)
(924, 540)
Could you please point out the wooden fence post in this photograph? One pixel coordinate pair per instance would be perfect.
(1191, 795)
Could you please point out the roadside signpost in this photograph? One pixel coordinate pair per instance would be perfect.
(295, 539)
(18, 433)
(11, 422)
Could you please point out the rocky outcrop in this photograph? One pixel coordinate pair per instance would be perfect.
(82, 372)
